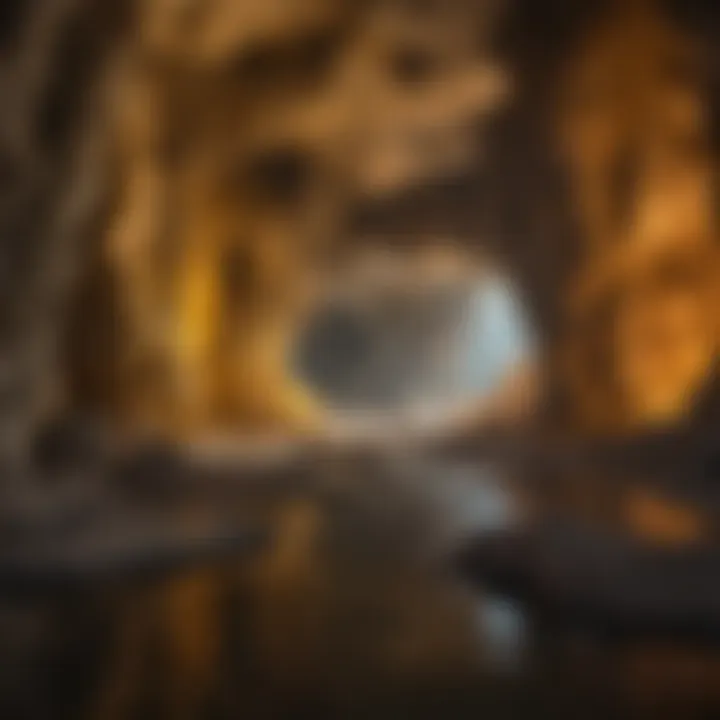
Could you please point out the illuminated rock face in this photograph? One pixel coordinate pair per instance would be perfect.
(635, 132)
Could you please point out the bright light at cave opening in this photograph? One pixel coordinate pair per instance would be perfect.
(420, 353)
(492, 340)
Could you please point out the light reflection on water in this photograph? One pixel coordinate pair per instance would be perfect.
(501, 625)
(477, 499)
(502, 628)
(473, 500)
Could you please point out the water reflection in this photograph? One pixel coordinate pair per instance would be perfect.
(472, 500)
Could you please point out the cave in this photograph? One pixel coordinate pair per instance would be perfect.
(456, 530)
